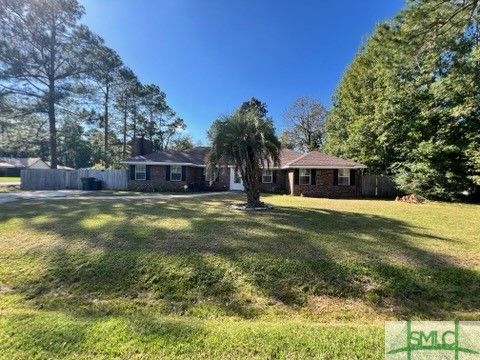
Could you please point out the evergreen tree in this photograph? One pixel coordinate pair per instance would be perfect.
(41, 54)
(104, 66)
(409, 107)
(127, 102)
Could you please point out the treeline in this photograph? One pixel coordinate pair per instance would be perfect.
(409, 104)
(67, 96)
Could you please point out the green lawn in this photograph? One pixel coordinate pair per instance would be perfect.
(9, 188)
(190, 278)
(8, 179)
(138, 193)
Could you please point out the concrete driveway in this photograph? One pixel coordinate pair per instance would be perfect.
(90, 195)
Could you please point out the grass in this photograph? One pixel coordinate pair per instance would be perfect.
(138, 193)
(116, 193)
(8, 179)
(190, 278)
(9, 188)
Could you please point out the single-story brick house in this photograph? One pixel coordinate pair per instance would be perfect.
(312, 174)
(10, 166)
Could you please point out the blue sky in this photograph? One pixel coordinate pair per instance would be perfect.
(211, 55)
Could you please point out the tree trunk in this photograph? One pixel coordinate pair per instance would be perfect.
(52, 122)
(253, 198)
(52, 125)
(250, 177)
(107, 90)
(135, 123)
(125, 116)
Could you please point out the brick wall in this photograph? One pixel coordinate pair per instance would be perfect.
(279, 185)
(223, 182)
(324, 186)
(193, 178)
(284, 182)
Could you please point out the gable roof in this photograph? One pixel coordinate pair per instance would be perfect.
(60, 167)
(6, 165)
(22, 163)
(322, 160)
(197, 156)
(287, 156)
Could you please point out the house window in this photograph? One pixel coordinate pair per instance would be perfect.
(267, 176)
(344, 177)
(175, 173)
(305, 177)
(140, 172)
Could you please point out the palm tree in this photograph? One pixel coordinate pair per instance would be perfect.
(247, 140)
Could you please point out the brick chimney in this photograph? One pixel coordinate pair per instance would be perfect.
(141, 146)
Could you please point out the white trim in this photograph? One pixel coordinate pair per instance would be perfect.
(160, 163)
(286, 167)
(270, 168)
(235, 185)
(309, 177)
(343, 177)
(323, 167)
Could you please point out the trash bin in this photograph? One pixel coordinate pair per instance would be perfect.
(98, 184)
(88, 183)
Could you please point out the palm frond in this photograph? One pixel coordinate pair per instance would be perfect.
(247, 140)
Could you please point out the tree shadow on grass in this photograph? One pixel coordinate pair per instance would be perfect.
(185, 254)
(116, 335)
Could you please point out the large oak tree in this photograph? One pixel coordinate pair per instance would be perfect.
(305, 120)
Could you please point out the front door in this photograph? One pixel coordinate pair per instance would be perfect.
(236, 182)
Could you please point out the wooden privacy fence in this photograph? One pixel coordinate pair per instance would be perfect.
(55, 179)
(48, 179)
(112, 179)
(377, 186)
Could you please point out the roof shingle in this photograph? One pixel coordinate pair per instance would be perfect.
(195, 156)
(320, 159)
(288, 158)
(19, 162)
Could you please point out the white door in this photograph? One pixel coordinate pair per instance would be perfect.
(236, 182)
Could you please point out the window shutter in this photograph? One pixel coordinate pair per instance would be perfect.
(217, 175)
(274, 176)
(313, 176)
(167, 173)
(184, 173)
(147, 172)
(335, 177)
(352, 176)
(296, 176)
(132, 172)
